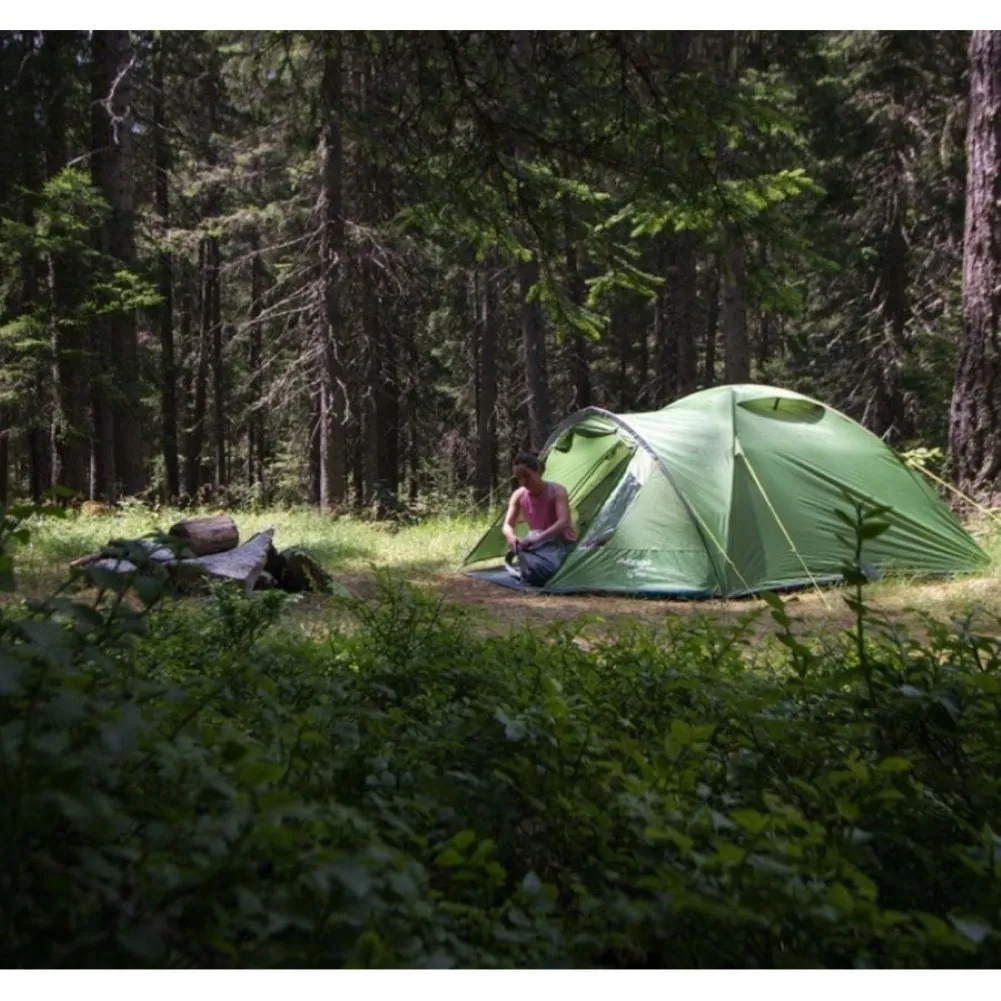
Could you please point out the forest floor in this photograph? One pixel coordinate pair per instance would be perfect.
(427, 554)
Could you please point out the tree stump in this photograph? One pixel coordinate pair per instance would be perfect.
(206, 536)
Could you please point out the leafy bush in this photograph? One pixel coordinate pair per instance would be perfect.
(198, 785)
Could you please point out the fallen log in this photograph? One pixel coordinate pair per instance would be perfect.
(254, 565)
(207, 536)
(245, 564)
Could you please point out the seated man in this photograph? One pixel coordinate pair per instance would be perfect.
(546, 510)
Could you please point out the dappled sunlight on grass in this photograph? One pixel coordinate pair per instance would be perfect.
(342, 544)
(429, 553)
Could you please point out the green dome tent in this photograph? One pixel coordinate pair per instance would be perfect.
(730, 491)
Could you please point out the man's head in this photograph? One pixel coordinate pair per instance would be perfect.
(527, 470)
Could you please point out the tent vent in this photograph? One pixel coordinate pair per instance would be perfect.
(783, 408)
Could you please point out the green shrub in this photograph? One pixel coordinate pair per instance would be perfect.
(199, 785)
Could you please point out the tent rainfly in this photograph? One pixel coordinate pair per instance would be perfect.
(731, 491)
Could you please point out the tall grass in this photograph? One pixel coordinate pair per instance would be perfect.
(343, 544)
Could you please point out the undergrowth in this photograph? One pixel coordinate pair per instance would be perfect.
(202, 786)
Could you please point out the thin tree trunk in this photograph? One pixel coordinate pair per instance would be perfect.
(733, 263)
(195, 438)
(664, 334)
(333, 396)
(736, 349)
(220, 477)
(113, 98)
(36, 416)
(316, 420)
(168, 367)
(540, 414)
(712, 283)
(577, 346)
(975, 419)
(255, 424)
(683, 311)
(4, 462)
(486, 402)
(70, 431)
(412, 405)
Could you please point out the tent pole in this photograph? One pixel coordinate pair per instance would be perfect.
(959, 493)
(778, 521)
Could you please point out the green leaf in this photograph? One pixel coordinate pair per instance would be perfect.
(681, 732)
(839, 896)
(449, 858)
(894, 764)
(728, 853)
(873, 529)
(464, 839)
(750, 820)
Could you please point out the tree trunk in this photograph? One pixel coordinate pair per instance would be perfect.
(70, 431)
(732, 257)
(113, 160)
(579, 361)
(486, 398)
(195, 438)
(168, 367)
(255, 425)
(36, 414)
(675, 320)
(412, 406)
(712, 283)
(683, 311)
(540, 414)
(4, 465)
(664, 335)
(333, 396)
(975, 419)
(316, 418)
(736, 349)
(220, 477)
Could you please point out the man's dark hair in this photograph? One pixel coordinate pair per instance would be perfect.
(529, 460)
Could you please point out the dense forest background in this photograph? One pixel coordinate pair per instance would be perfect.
(361, 269)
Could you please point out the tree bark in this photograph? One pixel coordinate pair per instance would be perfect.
(736, 349)
(114, 162)
(4, 466)
(712, 283)
(255, 424)
(975, 418)
(165, 317)
(577, 345)
(195, 438)
(486, 397)
(220, 472)
(675, 320)
(333, 395)
(70, 362)
(36, 414)
(540, 413)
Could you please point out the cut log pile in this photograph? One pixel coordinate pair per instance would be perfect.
(198, 550)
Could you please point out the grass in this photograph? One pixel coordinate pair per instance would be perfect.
(429, 553)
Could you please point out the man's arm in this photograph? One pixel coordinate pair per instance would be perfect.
(563, 517)
(511, 519)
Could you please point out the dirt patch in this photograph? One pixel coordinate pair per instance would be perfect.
(499, 609)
